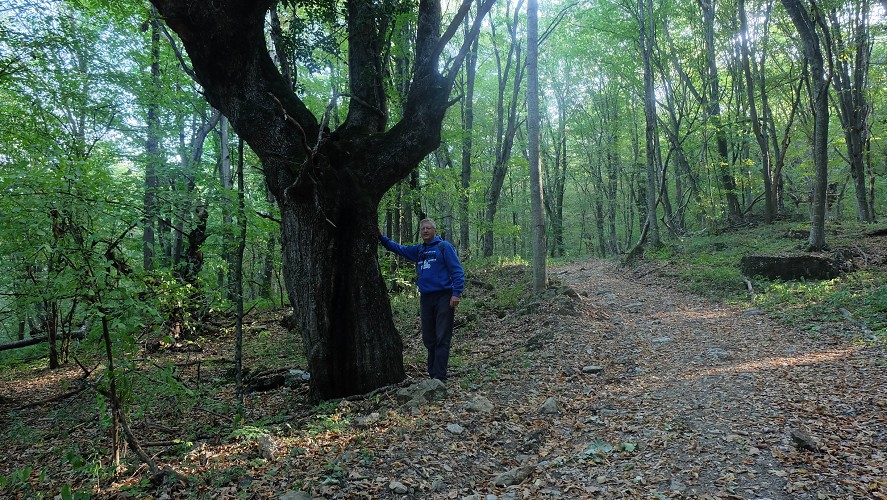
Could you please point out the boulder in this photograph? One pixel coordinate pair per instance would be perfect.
(423, 392)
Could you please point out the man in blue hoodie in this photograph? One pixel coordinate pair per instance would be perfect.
(441, 281)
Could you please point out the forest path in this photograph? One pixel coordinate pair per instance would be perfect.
(659, 394)
(620, 385)
(720, 400)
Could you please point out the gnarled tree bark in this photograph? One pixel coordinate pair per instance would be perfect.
(328, 184)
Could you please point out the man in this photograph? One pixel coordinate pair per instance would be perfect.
(441, 281)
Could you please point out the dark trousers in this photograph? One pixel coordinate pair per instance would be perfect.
(437, 331)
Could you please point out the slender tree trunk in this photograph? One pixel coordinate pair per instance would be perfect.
(682, 166)
(467, 145)
(759, 131)
(781, 148)
(267, 284)
(152, 149)
(807, 29)
(114, 397)
(52, 333)
(226, 184)
(645, 16)
(191, 157)
(537, 217)
(286, 69)
(238, 274)
(851, 63)
(601, 190)
(713, 106)
(612, 166)
(506, 126)
(50, 305)
(556, 181)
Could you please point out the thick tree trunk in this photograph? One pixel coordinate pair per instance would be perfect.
(336, 287)
(327, 184)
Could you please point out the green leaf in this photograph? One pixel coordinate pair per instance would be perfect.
(596, 450)
(626, 447)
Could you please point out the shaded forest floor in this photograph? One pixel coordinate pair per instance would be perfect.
(618, 385)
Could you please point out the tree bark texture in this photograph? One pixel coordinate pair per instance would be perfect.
(467, 145)
(714, 110)
(810, 39)
(152, 149)
(328, 185)
(851, 59)
(759, 131)
(537, 217)
(645, 18)
(555, 179)
(506, 125)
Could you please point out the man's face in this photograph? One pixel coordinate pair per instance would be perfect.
(428, 231)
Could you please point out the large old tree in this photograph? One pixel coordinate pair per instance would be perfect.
(328, 183)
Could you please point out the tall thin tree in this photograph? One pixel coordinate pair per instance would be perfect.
(760, 132)
(646, 23)
(537, 216)
(470, 76)
(809, 30)
(851, 59)
(152, 150)
(713, 104)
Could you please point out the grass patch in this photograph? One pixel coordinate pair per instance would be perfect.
(23, 434)
(26, 358)
(709, 266)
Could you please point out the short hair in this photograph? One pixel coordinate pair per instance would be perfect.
(428, 221)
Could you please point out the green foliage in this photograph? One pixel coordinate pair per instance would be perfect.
(67, 493)
(25, 359)
(248, 432)
(90, 467)
(709, 265)
(23, 434)
(510, 297)
(327, 420)
(226, 476)
(815, 303)
(22, 482)
(334, 473)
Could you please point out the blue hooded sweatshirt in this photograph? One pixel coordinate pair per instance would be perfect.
(437, 264)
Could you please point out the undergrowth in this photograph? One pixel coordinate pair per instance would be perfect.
(855, 303)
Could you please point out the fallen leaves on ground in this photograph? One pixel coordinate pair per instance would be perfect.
(687, 398)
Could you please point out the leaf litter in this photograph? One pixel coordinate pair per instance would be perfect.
(688, 399)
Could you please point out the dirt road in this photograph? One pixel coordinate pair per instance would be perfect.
(656, 393)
